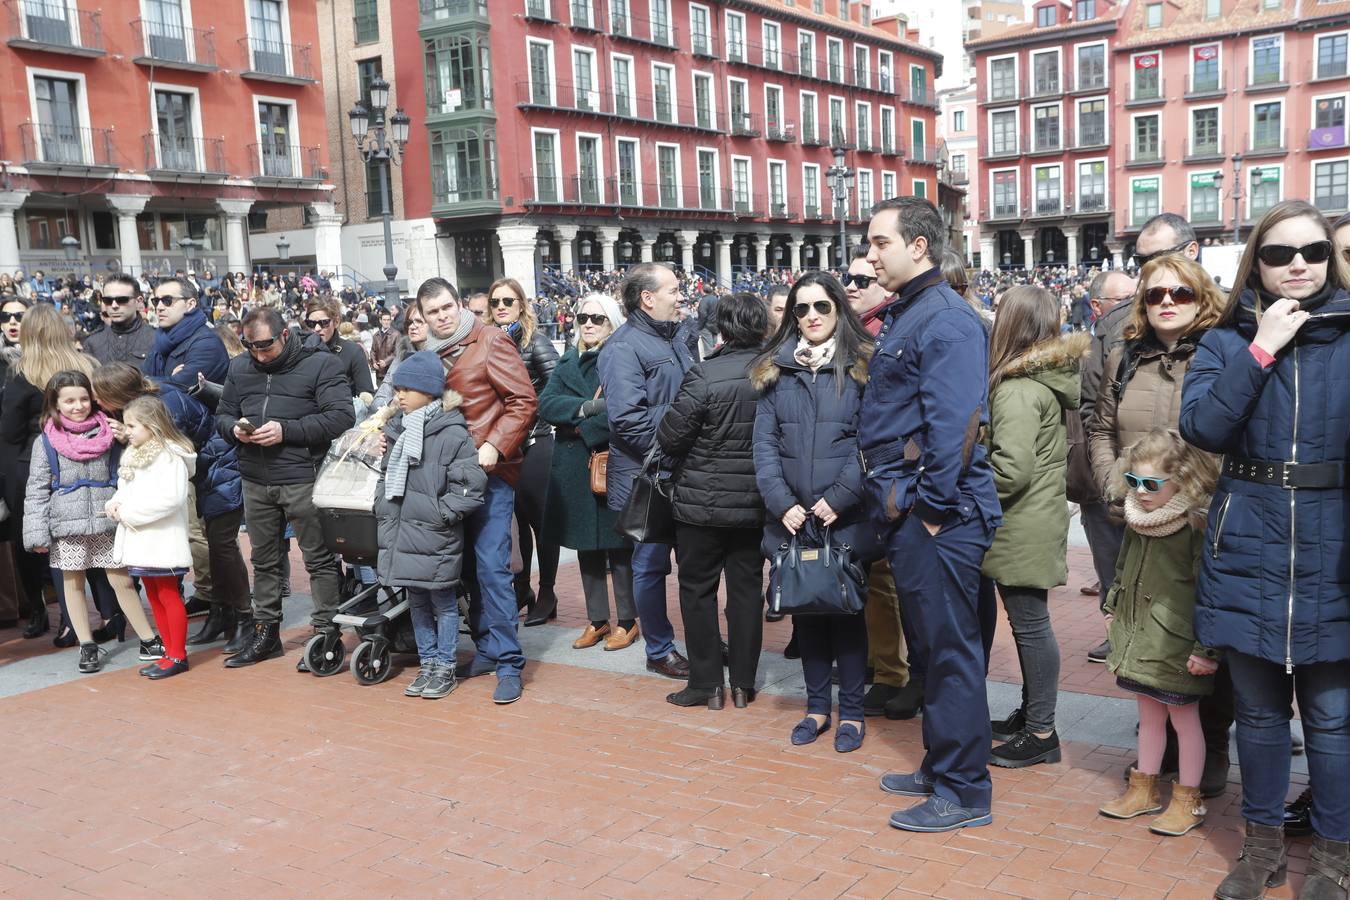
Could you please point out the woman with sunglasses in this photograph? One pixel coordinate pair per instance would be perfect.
(322, 318)
(812, 376)
(1270, 389)
(574, 515)
(510, 311)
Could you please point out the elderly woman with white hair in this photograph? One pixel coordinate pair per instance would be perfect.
(575, 516)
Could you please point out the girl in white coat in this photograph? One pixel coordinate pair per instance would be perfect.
(150, 508)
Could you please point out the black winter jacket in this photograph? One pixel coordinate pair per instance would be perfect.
(711, 424)
(540, 360)
(304, 390)
(355, 365)
(129, 345)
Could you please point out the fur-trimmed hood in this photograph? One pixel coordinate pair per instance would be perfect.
(764, 374)
(1054, 364)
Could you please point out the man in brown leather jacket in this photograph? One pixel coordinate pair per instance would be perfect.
(383, 346)
(499, 403)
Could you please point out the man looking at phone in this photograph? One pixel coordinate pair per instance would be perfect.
(283, 403)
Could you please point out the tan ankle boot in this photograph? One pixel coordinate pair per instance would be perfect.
(1139, 798)
(1186, 811)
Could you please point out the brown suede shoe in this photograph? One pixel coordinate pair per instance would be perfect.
(591, 636)
(622, 638)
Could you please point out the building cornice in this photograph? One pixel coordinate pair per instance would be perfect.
(850, 30)
(1055, 35)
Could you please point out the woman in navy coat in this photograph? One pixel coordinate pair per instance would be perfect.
(1270, 389)
(806, 464)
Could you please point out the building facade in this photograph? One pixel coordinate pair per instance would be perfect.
(958, 110)
(150, 131)
(1212, 109)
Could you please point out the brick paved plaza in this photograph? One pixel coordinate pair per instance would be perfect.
(268, 783)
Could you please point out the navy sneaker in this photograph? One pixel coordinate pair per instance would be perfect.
(907, 784)
(936, 814)
(508, 689)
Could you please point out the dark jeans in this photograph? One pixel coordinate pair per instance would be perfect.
(531, 493)
(229, 575)
(595, 583)
(493, 617)
(1104, 537)
(825, 641)
(703, 553)
(269, 508)
(1037, 653)
(1263, 692)
(651, 565)
(435, 622)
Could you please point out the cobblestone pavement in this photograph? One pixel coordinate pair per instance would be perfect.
(270, 783)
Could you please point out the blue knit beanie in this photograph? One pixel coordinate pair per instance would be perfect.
(421, 371)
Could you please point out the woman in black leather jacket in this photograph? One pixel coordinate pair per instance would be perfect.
(509, 310)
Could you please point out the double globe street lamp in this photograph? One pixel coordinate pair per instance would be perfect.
(376, 142)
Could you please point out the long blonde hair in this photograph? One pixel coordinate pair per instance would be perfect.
(46, 347)
(151, 412)
(528, 322)
(1194, 472)
(1209, 302)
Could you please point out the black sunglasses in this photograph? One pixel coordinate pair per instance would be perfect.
(862, 281)
(822, 308)
(1144, 259)
(167, 300)
(10, 317)
(1180, 295)
(1283, 254)
(120, 301)
(508, 302)
(591, 318)
(316, 324)
(258, 345)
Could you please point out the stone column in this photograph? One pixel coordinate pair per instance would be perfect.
(825, 257)
(236, 229)
(1028, 250)
(754, 257)
(1117, 251)
(648, 245)
(1072, 238)
(795, 245)
(724, 261)
(687, 241)
(987, 261)
(566, 235)
(10, 201)
(327, 226)
(608, 237)
(520, 250)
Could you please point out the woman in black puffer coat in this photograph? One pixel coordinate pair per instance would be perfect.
(719, 517)
(510, 311)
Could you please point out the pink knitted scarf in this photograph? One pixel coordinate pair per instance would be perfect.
(80, 441)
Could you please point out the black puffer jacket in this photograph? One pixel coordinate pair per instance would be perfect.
(540, 360)
(711, 424)
(355, 365)
(304, 390)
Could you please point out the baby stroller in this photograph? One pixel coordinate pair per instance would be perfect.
(344, 495)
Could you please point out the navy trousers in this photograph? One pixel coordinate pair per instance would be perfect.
(938, 580)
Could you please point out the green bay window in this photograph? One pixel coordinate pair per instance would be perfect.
(458, 74)
(463, 165)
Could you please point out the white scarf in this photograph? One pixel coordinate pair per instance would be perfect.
(813, 356)
(1166, 519)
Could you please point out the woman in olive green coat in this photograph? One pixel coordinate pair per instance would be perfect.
(1033, 380)
(574, 516)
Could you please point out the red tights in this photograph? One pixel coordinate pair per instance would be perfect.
(170, 614)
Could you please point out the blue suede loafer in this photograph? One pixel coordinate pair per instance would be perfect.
(807, 731)
(907, 784)
(848, 737)
(937, 814)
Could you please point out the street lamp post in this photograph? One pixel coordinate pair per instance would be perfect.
(841, 176)
(376, 142)
(1237, 196)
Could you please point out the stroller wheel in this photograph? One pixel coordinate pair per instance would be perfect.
(324, 654)
(369, 666)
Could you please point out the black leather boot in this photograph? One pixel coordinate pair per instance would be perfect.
(38, 623)
(1298, 816)
(266, 644)
(1328, 870)
(544, 608)
(1261, 864)
(240, 634)
(215, 627)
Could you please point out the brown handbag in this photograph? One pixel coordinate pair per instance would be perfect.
(599, 463)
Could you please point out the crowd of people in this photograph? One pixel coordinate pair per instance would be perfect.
(926, 434)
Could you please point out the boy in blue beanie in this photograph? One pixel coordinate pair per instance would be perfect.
(431, 481)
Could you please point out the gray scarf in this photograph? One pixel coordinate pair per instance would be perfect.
(407, 450)
(436, 345)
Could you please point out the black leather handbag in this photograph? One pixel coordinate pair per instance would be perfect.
(647, 517)
(816, 581)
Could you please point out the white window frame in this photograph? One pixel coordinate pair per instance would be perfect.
(694, 76)
(185, 10)
(599, 161)
(886, 62)
(81, 102)
(731, 107)
(1312, 175)
(1059, 68)
(1059, 106)
(1190, 123)
(866, 108)
(717, 175)
(1106, 63)
(857, 191)
(782, 107)
(959, 125)
(594, 92)
(72, 17)
(1218, 44)
(1017, 126)
(881, 131)
(1132, 179)
(989, 76)
(553, 66)
(867, 65)
(199, 142)
(1190, 192)
(292, 122)
(534, 160)
(768, 183)
(1134, 117)
(915, 184)
(1158, 52)
(1078, 119)
(637, 163)
(1312, 110)
(670, 20)
(614, 58)
(749, 180)
(548, 11)
(248, 31)
(1106, 179)
(820, 210)
(1247, 191)
(679, 173)
(797, 49)
(590, 13)
(726, 36)
(1017, 188)
(910, 133)
(843, 59)
(1251, 117)
(764, 27)
(674, 89)
(894, 182)
(712, 37)
(1055, 165)
(1315, 48)
(1251, 53)
(801, 115)
(843, 117)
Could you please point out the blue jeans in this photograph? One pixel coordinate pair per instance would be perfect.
(1262, 692)
(493, 616)
(435, 622)
(651, 565)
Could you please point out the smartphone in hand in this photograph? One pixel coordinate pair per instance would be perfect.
(245, 426)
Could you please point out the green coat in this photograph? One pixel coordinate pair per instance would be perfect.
(573, 516)
(1153, 602)
(1028, 450)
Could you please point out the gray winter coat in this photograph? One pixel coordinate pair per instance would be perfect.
(49, 515)
(421, 536)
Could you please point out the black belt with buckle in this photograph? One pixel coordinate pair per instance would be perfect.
(1291, 476)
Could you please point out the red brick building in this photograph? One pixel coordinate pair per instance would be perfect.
(133, 124)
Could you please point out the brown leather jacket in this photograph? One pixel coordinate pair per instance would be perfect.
(498, 400)
(383, 346)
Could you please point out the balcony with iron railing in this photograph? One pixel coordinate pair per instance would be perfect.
(813, 136)
(1334, 68)
(1208, 86)
(840, 139)
(1267, 142)
(1004, 93)
(780, 130)
(1006, 148)
(922, 154)
(276, 162)
(565, 190)
(1089, 84)
(462, 195)
(1001, 212)
(1040, 88)
(452, 12)
(890, 146)
(746, 124)
(1149, 93)
(62, 147)
(276, 61)
(1091, 138)
(584, 16)
(1203, 151)
(959, 176)
(919, 95)
(1049, 206)
(1046, 142)
(655, 33)
(588, 100)
(779, 206)
(540, 11)
(54, 26)
(1090, 204)
(1267, 78)
(703, 42)
(168, 156)
(174, 47)
(867, 143)
(1147, 153)
(811, 212)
